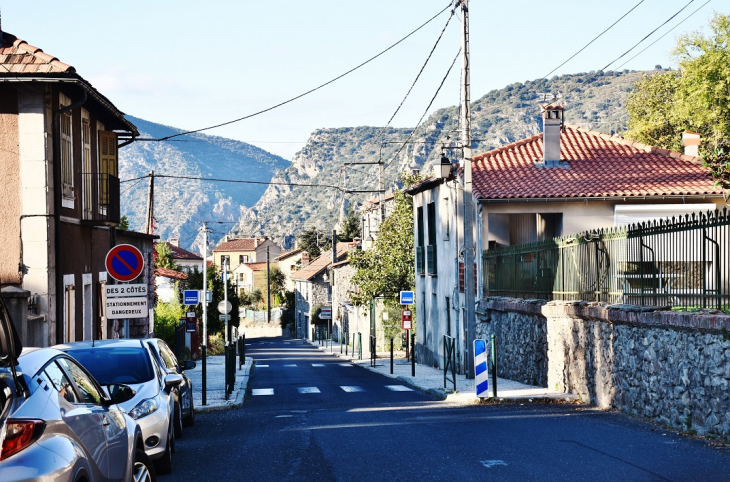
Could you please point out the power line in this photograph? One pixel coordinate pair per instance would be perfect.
(650, 34)
(596, 38)
(311, 90)
(667, 33)
(236, 181)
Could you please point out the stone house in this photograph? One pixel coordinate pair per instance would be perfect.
(244, 250)
(59, 139)
(313, 289)
(566, 180)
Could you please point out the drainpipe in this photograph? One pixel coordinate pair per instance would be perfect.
(57, 193)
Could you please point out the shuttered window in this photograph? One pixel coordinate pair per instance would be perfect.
(86, 163)
(431, 258)
(67, 166)
(420, 251)
(108, 163)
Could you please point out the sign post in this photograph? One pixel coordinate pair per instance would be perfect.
(480, 368)
(190, 297)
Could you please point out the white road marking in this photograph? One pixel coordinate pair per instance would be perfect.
(308, 390)
(399, 388)
(262, 366)
(350, 389)
(493, 463)
(284, 416)
(317, 364)
(291, 365)
(345, 364)
(262, 391)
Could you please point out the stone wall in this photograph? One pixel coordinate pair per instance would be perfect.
(521, 333)
(671, 367)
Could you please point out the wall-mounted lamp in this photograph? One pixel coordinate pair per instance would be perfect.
(442, 170)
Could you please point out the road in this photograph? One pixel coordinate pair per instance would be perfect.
(308, 416)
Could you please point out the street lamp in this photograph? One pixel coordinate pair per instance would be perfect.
(442, 170)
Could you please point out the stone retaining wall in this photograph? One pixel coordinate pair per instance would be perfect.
(671, 367)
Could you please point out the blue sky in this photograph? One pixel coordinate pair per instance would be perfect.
(190, 64)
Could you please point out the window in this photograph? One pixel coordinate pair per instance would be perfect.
(447, 219)
(431, 259)
(62, 383)
(420, 256)
(243, 258)
(168, 358)
(84, 382)
(69, 311)
(108, 165)
(67, 166)
(225, 260)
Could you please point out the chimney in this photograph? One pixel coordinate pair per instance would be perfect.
(305, 258)
(255, 242)
(691, 141)
(175, 242)
(552, 122)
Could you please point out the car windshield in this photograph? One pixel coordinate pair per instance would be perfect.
(115, 364)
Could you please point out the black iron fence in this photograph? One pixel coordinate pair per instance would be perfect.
(679, 262)
(101, 198)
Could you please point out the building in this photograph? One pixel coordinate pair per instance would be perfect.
(249, 277)
(566, 180)
(244, 250)
(183, 258)
(289, 262)
(371, 216)
(58, 163)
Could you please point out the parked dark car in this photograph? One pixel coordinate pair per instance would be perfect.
(57, 423)
(183, 393)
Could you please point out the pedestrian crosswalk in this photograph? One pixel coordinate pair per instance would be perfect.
(314, 390)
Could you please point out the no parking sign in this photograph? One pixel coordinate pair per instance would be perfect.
(124, 262)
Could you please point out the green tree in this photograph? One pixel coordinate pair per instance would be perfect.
(390, 266)
(350, 227)
(314, 242)
(694, 98)
(123, 223)
(277, 280)
(163, 256)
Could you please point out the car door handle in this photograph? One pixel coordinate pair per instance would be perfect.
(104, 421)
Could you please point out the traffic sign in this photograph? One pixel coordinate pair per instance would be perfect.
(224, 307)
(117, 291)
(406, 317)
(122, 308)
(406, 297)
(190, 297)
(325, 313)
(124, 262)
(480, 368)
(191, 325)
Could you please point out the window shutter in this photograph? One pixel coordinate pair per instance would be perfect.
(108, 163)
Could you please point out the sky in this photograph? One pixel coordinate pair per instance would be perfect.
(192, 64)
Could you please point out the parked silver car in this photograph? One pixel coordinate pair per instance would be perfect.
(58, 424)
(153, 406)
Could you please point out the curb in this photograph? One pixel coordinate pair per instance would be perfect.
(238, 402)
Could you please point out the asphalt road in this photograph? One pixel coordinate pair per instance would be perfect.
(308, 417)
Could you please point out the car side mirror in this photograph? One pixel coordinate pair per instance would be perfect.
(120, 393)
(188, 365)
(172, 380)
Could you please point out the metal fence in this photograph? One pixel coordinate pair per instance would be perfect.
(679, 262)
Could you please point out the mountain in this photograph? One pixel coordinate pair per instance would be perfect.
(594, 100)
(182, 204)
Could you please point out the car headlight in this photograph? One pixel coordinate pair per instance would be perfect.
(144, 408)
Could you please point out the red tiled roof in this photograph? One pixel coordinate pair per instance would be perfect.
(319, 264)
(286, 254)
(599, 166)
(19, 57)
(180, 253)
(255, 266)
(170, 273)
(241, 244)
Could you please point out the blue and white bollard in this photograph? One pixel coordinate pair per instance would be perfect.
(480, 368)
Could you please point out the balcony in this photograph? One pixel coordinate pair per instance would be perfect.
(100, 205)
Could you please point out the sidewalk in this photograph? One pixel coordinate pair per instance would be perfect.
(431, 380)
(215, 384)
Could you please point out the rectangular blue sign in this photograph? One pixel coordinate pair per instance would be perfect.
(190, 297)
(406, 297)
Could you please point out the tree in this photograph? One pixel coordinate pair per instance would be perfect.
(123, 223)
(694, 98)
(314, 242)
(163, 256)
(389, 267)
(277, 279)
(350, 227)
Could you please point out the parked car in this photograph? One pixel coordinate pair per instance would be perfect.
(183, 393)
(153, 406)
(57, 423)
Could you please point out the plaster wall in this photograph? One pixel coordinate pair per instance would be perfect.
(10, 207)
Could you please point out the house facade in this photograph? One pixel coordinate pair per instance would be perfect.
(289, 262)
(566, 180)
(183, 258)
(59, 165)
(244, 250)
(248, 277)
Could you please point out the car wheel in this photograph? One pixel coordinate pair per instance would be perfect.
(190, 419)
(178, 421)
(143, 470)
(163, 465)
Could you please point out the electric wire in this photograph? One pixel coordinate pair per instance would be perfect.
(667, 33)
(315, 88)
(236, 181)
(596, 38)
(647, 36)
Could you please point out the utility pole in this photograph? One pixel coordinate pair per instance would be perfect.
(465, 121)
(150, 205)
(381, 187)
(268, 286)
(225, 266)
(204, 347)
